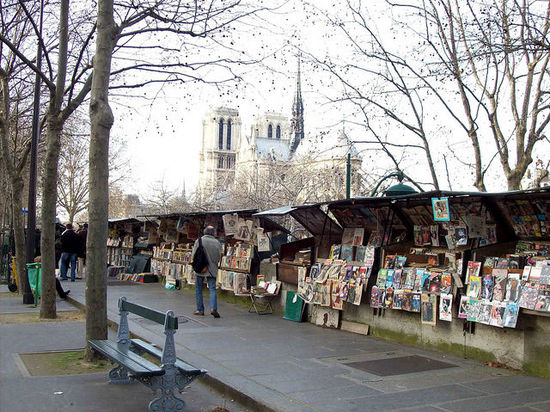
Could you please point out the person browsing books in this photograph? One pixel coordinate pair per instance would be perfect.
(212, 247)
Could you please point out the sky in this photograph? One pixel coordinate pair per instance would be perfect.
(163, 135)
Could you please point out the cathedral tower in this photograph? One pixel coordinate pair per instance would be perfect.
(297, 121)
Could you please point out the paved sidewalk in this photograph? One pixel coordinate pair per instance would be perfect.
(287, 366)
(81, 393)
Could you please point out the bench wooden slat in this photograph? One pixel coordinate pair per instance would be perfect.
(153, 350)
(150, 314)
(120, 354)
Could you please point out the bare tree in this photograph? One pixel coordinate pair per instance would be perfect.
(480, 64)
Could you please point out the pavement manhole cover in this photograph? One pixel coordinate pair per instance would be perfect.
(400, 366)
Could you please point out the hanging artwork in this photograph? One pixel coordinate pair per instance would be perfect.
(428, 308)
(445, 307)
(230, 222)
(441, 209)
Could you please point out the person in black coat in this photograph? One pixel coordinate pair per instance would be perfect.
(70, 246)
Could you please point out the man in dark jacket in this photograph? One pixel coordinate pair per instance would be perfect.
(213, 250)
(70, 245)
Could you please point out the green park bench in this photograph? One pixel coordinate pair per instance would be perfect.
(126, 353)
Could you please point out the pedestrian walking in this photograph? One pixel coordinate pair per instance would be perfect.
(82, 236)
(70, 245)
(213, 249)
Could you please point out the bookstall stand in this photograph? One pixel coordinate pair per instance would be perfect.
(127, 250)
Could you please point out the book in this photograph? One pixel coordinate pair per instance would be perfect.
(347, 236)
(474, 287)
(529, 294)
(346, 253)
(526, 272)
(534, 275)
(398, 299)
(446, 283)
(487, 287)
(382, 275)
(512, 287)
(445, 307)
(474, 269)
(428, 308)
(335, 301)
(406, 300)
(463, 307)
(543, 298)
(485, 309)
(544, 278)
(510, 316)
(419, 277)
(473, 310)
(358, 234)
(500, 277)
(435, 282)
(409, 274)
(461, 235)
(335, 251)
(415, 302)
(388, 298)
(502, 263)
(497, 314)
(374, 297)
(360, 253)
(397, 276)
(426, 281)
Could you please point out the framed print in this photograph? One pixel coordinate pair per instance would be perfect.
(441, 209)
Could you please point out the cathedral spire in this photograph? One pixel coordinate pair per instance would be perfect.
(297, 114)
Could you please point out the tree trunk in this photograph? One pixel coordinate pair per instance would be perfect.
(101, 118)
(49, 200)
(19, 231)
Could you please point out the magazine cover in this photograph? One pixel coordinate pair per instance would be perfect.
(360, 253)
(334, 271)
(400, 262)
(302, 271)
(388, 298)
(381, 280)
(230, 222)
(512, 287)
(543, 299)
(529, 294)
(441, 209)
(534, 275)
(239, 283)
(358, 234)
(389, 278)
(428, 308)
(323, 274)
(336, 302)
(446, 282)
(315, 269)
(472, 312)
(325, 294)
(463, 307)
(409, 274)
(474, 269)
(545, 275)
(406, 300)
(502, 263)
(497, 314)
(375, 239)
(434, 235)
(347, 236)
(445, 307)
(415, 302)
(500, 276)
(419, 277)
(426, 281)
(510, 315)
(461, 236)
(526, 272)
(474, 288)
(397, 278)
(490, 262)
(398, 299)
(346, 253)
(487, 287)
(435, 282)
(485, 312)
(335, 251)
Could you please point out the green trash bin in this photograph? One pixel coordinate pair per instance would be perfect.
(34, 273)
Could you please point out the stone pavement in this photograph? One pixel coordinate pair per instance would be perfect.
(88, 392)
(281, 365)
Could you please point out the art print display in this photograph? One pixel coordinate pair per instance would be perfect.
(461, 236)
(510, 317)
(263, 241)
(445, 307)
(485, 309)
(463, 307)
(499, 288)
(497, 314)
(428, 309)
(512, 287)
(440, 208)
(230, 224)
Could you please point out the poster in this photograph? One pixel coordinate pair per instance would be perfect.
(441, 209)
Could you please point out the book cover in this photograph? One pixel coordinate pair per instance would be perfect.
(463, 307)
(487, 287)
(388, 298)
(485, 312)
(406, 300)
(419, 277)
(360, 253)
(474, 287)
(525, 274)
(397, 278)
(417, 233)
(435, 282)
(369, 255)
(474, 269)
(434, 235)
(446, 282)
(428, 308)
(400, 262)
(426, 281)
(415, 302)
(529, 294)
(389, 278)
(336, 302)
(375, 239)
(374, 297)
(398, 299)
(325, 294)
(502, 263)
(334, 271)
(346, 253)
(357, 294)
(510, 317)
(490, 262)
(409, 274)
(512, 287)
(500, 276)
(445, 307)
(358, 234)
(497, 314)
(315, 269)
(440, 207)
(472, 312)
(335, 251)
(382, 275)
(347, 236)
(545, 275)
(534, 275)
(461, 236)
(389, 261)
(543, 299)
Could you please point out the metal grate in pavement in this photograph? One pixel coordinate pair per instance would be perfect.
(400, 366)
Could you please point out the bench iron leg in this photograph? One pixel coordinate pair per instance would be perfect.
(118, 375)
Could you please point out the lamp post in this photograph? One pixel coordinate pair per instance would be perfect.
(28, 297)
(348, 176)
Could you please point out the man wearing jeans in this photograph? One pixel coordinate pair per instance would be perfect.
(213, 250)
(70, 245)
